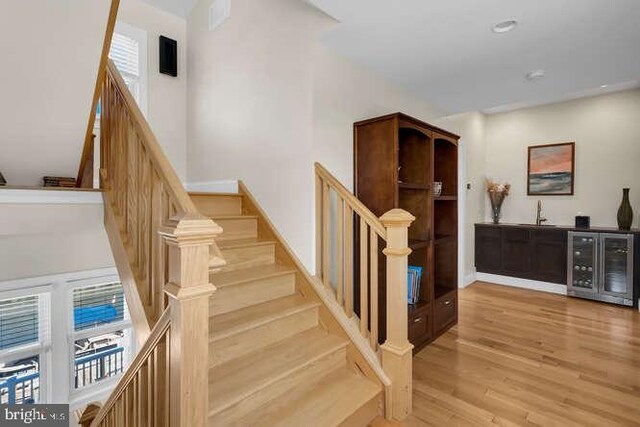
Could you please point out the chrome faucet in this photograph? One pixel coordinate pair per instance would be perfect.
(539, 218)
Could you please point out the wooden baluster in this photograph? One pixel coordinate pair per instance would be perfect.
(132, 190)
(364, 282)
(189, 237)
(157, 246)
(325, 236)
(396, 351)
(340, 250)
(319, 219)
(145, 208)
(373, 279)
(348, 261)
(149, 391)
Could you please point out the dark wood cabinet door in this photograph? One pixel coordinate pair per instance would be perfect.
(488, 249)
(516, 251)
(549, 256)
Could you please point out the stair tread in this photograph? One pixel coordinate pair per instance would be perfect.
(207, 193)
(238, 243)
(249, 274)
(238, 379)
(224, 325)
(241, 216)
(332, 401)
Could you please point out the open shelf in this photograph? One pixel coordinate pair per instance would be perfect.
(445, 165)
(415, 202)
(397, 160)
(443, 238)
(445, 198)
(413, 155)
(412, 186)
(418, 257)
(418, 244)
(445, 264)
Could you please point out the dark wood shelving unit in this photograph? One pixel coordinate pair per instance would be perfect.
(396, 161)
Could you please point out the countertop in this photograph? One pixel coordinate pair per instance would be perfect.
(563, 228)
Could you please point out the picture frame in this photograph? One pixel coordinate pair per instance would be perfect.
(551, 169)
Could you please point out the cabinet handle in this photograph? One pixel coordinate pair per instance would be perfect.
(417, 319)
(447, 302)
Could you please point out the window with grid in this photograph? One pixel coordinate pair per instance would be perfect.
(101, 333)
(125, 53)
(24, 346)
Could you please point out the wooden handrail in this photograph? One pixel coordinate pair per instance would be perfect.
(156, 347)
(86, 159)
(164, 250)
(173, 185)
(358, 207)
(338, 222)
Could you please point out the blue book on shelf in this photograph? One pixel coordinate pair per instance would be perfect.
(411, 275)
(414, 278)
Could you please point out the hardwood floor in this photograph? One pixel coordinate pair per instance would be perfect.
(520, 357)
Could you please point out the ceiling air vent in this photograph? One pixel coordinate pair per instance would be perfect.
(219, 11)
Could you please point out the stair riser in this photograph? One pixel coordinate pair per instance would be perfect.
(230, 298)
(245, 257)
(309, 373)
(254, 339)
(214, 205)
(237, 228)
(365, 414)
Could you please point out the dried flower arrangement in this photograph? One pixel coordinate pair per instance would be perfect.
(497, 193)
(495, 187)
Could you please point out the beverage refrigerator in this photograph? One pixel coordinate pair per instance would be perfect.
(601, 267)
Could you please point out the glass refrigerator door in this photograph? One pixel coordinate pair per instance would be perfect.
(582, 262)
(616, 261)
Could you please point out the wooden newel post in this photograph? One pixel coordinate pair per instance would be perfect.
(397, 350)
(189, 237)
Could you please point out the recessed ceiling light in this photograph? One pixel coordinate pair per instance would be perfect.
(504, 26)
(534, 75)
(603, 86)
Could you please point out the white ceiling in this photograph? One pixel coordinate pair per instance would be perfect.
(446, 52)
(181, 8)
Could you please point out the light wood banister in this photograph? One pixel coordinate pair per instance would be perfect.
(351, 200)
(154, 353)
(392, 228)
(164, 250)
(85, 178)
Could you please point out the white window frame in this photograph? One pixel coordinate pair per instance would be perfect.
(56, 360)
(73, 335)
(42, 349)
(140, 36)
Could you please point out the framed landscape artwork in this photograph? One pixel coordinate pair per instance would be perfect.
(551, 170)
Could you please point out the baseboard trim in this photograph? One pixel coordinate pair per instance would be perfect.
(468, 279)
(516, 282)
(221, 186)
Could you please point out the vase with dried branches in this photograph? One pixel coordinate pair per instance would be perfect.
(497, 192)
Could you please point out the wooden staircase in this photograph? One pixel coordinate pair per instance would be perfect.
(231, 327)
(272, 361)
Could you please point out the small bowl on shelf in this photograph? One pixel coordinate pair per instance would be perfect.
(437, 188)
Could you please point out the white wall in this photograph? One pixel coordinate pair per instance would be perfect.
(51, 51)
(265, 101)
(167, 96)
(606, 130)
(51, 238)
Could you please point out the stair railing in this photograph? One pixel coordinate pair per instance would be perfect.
(337, 210)
(164, 250)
